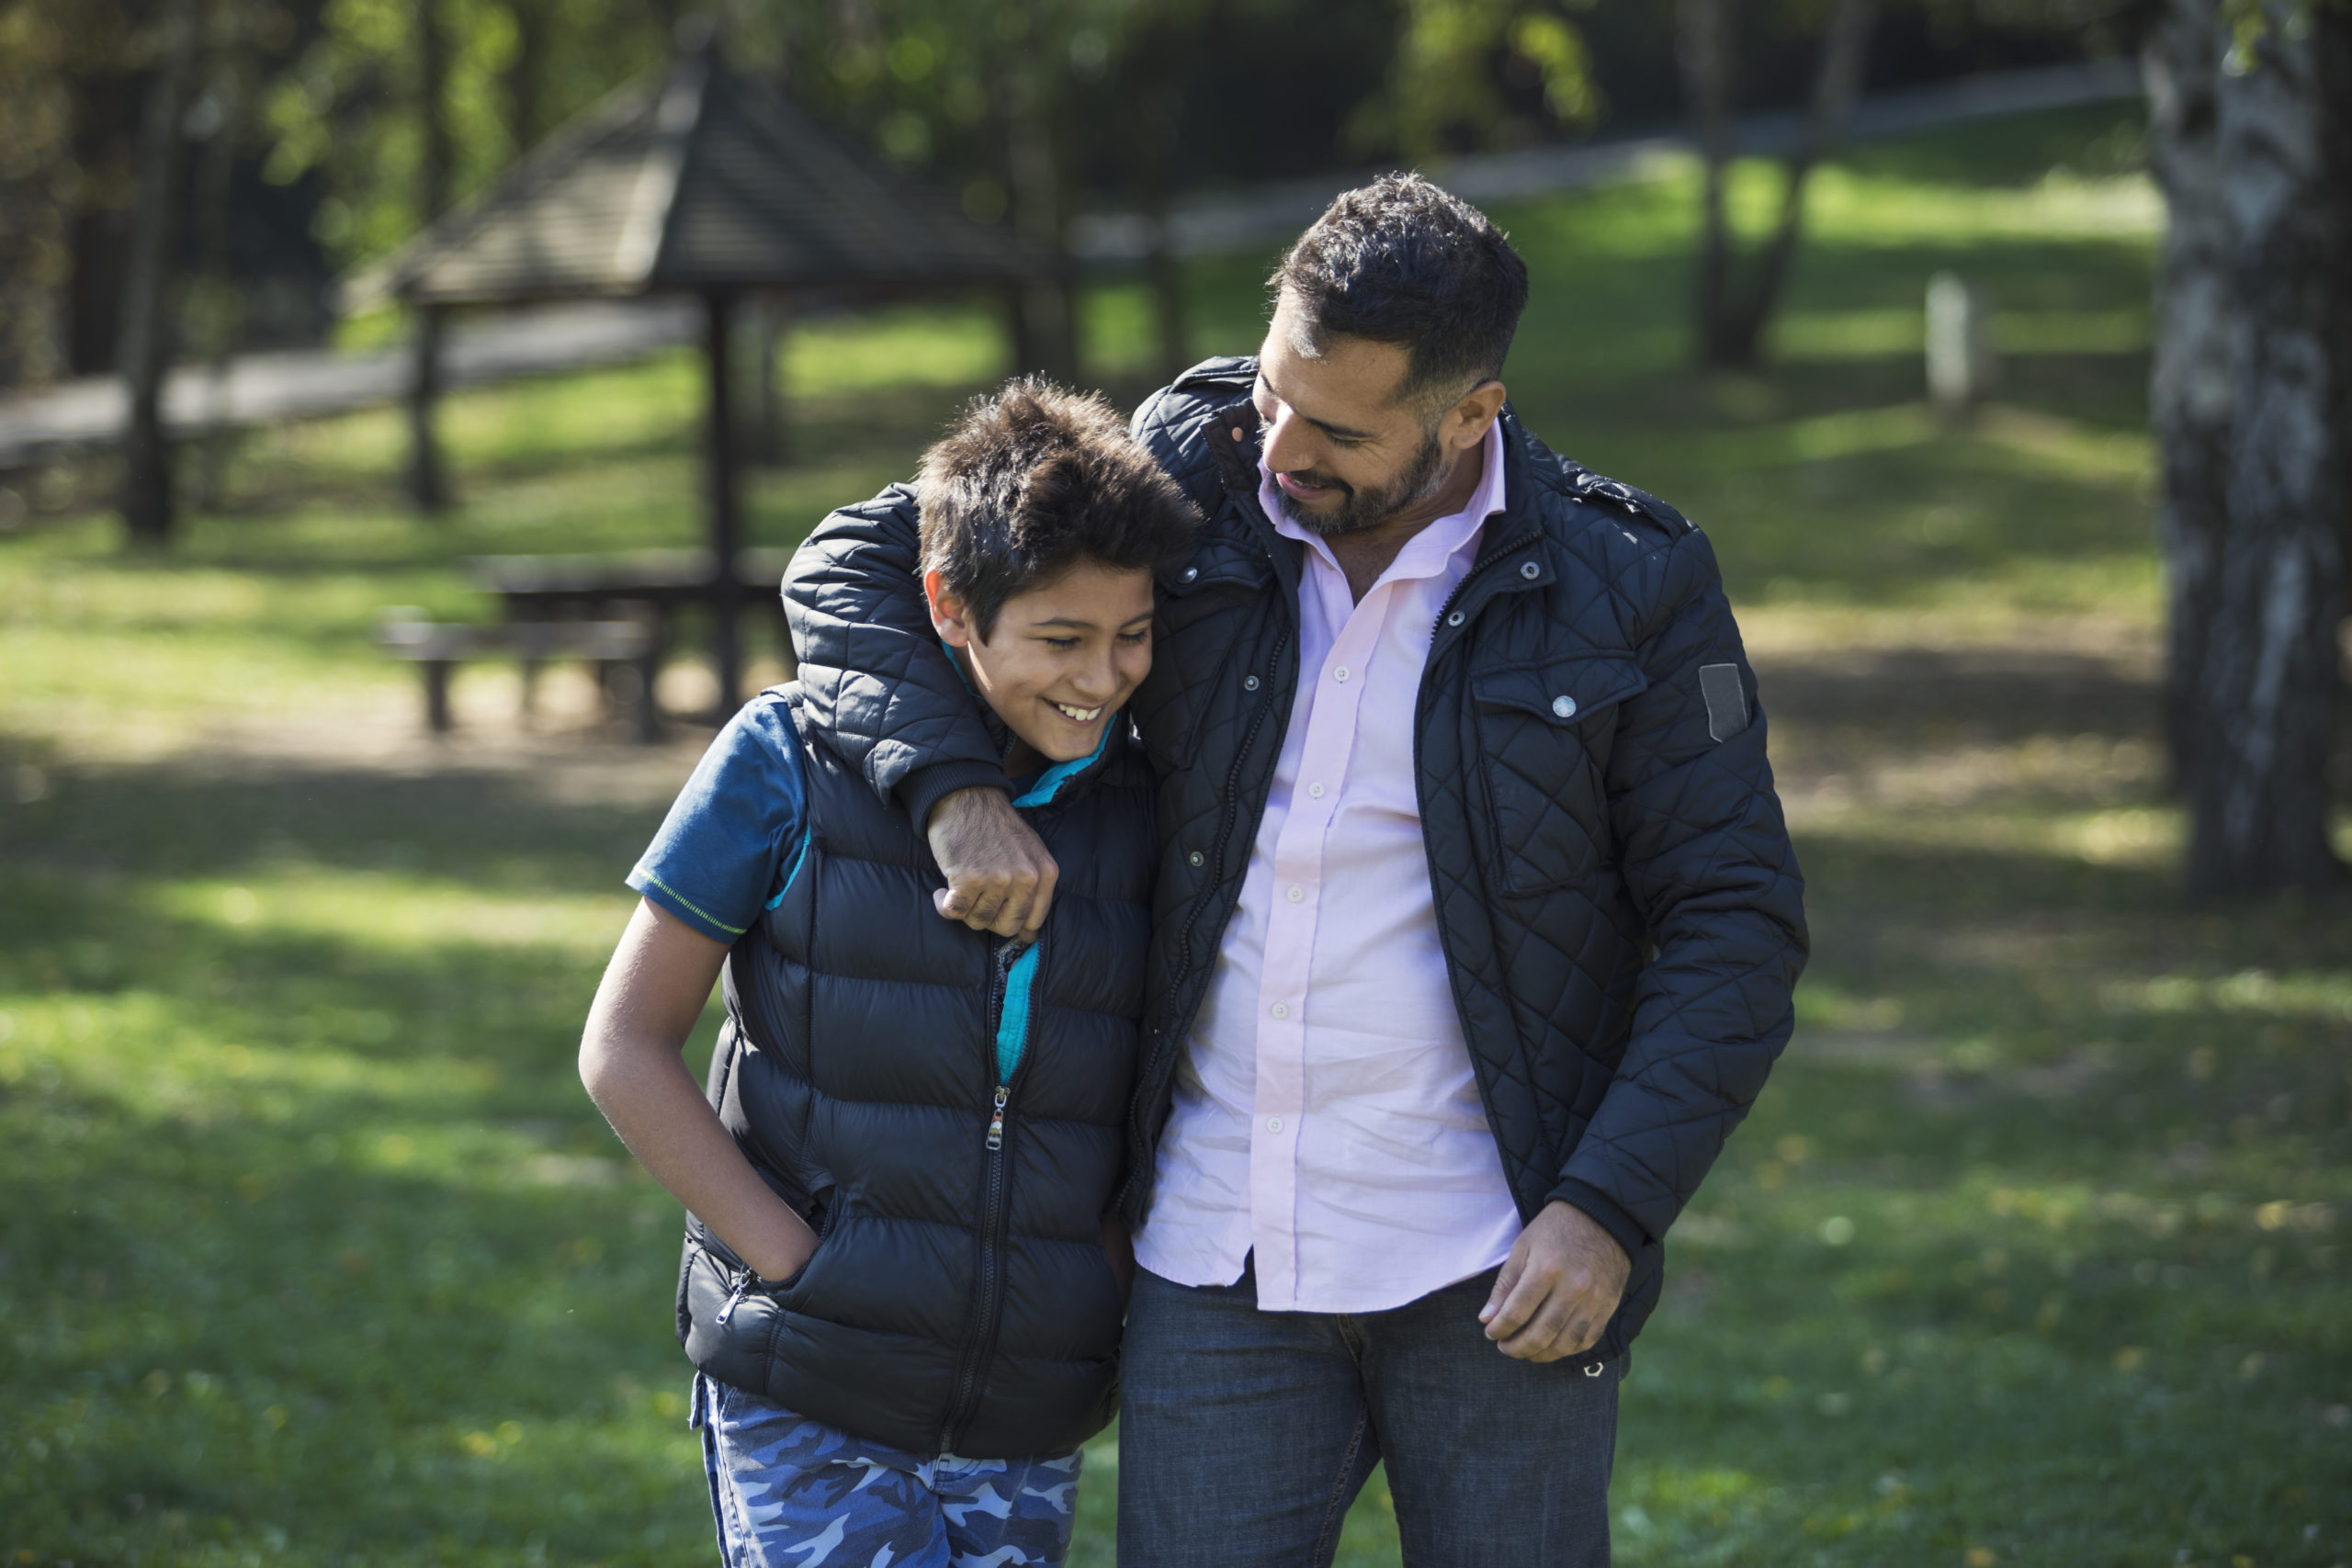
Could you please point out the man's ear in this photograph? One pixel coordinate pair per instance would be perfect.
(1465, 424)
(949, 618)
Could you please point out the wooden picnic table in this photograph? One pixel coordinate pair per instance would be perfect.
(649, 585)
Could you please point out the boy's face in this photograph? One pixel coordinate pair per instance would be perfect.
(1063, 657)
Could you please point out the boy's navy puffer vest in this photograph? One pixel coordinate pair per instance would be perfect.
(959, 1298)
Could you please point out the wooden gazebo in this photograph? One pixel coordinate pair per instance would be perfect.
(705, 181)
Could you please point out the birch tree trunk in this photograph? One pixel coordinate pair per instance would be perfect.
(149, 507)
(2259, 796)
(2190, 391)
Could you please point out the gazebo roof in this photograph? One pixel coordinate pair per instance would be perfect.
(698, 179)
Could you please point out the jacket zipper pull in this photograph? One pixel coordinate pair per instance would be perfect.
(734, 1299)
(996, 1118)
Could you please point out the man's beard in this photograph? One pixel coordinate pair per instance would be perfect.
(1362, 509)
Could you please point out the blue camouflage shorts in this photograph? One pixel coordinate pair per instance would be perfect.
(791, 1493)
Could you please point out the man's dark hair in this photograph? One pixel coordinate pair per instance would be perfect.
(1400, 261)
(1034, 480)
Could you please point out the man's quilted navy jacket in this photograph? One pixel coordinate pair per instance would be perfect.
(1615, 892)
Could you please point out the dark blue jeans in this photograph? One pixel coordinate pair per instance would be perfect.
(1244, 1435)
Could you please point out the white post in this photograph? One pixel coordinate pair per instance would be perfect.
(1961, 368)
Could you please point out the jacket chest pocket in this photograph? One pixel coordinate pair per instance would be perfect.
(1544, 735)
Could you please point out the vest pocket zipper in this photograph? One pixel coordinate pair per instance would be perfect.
(734, 1299)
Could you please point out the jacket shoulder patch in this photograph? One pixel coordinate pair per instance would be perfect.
(1585, 485)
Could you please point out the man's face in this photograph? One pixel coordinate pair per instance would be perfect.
(1062, 657)
(1346, 453)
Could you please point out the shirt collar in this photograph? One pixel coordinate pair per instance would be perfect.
(1426, 553)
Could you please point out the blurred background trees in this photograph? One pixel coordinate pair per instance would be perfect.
(180, 179)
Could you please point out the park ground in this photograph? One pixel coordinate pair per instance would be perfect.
(311, 1250)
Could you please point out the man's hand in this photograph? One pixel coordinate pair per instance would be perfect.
(1000, 877)
(1559, 1287)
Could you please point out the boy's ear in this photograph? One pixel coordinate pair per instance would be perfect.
(948, 616)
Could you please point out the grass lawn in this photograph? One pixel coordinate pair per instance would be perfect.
(311, 1250)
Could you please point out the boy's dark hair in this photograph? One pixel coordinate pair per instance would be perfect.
(1034, 480)
(1400, 261)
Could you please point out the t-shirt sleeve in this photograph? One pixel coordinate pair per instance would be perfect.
(736, 830)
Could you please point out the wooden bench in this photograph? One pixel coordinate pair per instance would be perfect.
(437, 647)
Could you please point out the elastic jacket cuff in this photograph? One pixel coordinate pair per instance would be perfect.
(922, 789)
(1606, 1213)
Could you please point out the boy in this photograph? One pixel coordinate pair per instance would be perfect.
(898, 1292)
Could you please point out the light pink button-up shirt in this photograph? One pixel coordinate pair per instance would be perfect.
(1326, 1114)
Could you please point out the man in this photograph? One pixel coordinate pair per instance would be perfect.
(1476, 921)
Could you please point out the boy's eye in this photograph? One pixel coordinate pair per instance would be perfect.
(1060, 644)
(1136, 639)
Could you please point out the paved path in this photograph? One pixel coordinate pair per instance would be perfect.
(87, 415)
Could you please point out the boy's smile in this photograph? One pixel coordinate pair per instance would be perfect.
(1061, 658)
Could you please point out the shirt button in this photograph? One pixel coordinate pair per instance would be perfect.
(1273, 1123)
(1565, 706)
(1530, 572)
(1195, 858)
(1340, 674)
(1281, 1010)
(1316, 790)
(1237, 432)
(1297, 893)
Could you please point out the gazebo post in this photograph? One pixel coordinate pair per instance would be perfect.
(726, 520)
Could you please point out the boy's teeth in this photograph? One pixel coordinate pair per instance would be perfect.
(1082, 715)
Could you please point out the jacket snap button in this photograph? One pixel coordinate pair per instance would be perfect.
(1454, 619)
(1237, 432)
(1530, 572)
(1249, 683)
(1594, 1370)
(1195, 858)
(1565, 706)
(1190, 573)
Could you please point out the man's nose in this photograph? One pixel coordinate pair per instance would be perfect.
(1285, 444)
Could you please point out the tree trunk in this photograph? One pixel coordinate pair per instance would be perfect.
(428, 474)
(2259, 797)
(220, 320)
(148, 509)
(1733, 313)
(1047, 330)
(523, 76)
(1153, 143)
(1703, 50)
(1835, 84)
(726, 514)
(2190, 394)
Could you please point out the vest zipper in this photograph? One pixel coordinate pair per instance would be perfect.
(996, 1180)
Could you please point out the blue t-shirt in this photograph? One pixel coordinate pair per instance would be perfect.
(736, 834)
(728, 848)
